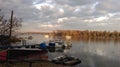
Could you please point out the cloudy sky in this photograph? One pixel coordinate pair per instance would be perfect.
(48, 15)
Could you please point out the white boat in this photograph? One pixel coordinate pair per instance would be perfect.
(60, 43)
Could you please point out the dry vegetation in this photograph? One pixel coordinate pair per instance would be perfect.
(87, 35)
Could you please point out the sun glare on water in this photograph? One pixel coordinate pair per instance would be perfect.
(68, 37)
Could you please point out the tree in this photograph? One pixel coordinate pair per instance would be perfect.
(8, 27)
(5, 24)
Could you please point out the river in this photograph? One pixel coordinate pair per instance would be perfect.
(92, 53)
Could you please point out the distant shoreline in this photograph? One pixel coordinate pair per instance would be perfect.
(79, 33)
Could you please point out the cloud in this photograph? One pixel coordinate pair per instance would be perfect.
(47, 15)
(60, 20)
(74, 2)
(22, 8)
(99, 19)
(48, 25)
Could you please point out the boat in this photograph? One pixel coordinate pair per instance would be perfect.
(66, 60)
(20, 54)
(59, 43)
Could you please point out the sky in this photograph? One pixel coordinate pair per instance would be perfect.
(49, 15)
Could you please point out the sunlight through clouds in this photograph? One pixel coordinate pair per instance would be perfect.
(48, 25)
(60, 20)
(101, 18)
(39, 6)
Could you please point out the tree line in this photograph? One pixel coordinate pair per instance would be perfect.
(87, 34)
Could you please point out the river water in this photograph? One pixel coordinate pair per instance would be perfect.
(92, 53)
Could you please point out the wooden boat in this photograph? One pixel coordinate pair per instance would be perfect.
(66, 60)
(21, 54)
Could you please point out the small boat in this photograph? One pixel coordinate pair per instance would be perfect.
(66, 60)
(59, 43)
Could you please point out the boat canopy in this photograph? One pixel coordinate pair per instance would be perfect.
(43, 45)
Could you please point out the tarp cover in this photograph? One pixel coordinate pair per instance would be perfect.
(3, 55)
(43, 45)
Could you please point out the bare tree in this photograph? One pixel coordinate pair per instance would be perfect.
(8, 27)
(5, 24)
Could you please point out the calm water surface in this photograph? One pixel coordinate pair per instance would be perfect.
(92, 53)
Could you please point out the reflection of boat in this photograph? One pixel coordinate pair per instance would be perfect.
(55, 49)
(21, 54)
(66, 60)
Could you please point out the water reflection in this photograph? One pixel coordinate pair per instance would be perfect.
(56, 50)
(96, 40)
(59, 49)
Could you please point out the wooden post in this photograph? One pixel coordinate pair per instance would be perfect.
(30, 64)
(11, 24)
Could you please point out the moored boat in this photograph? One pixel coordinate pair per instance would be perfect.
(59, 43)
(66, 60)
(20, 54)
